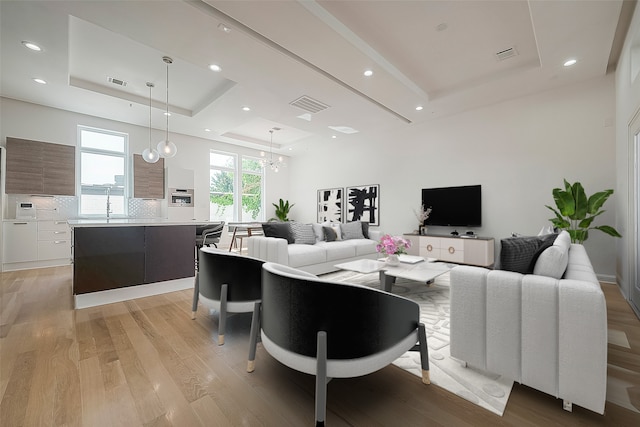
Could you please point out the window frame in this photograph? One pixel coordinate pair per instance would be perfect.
(104, 152)
(238, 171)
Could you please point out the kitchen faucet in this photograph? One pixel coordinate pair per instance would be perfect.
(108, 201)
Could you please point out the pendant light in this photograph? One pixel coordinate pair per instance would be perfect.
(167, 148)
(268, 161)
(150, 155)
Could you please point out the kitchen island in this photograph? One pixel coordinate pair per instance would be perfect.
(119, 259)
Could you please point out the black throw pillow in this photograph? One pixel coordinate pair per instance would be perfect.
(517, 253)
(330, 234)
(365, 229)
(278, 229)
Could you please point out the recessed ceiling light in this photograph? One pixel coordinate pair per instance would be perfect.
(224, 28)
(32, 46)
(419, 108)
(570, 62)
(344, 129)
(368, 73)
(207, 130)
(245, 108)
(167, 114)
(42, 82)
(333, 136)
(215, 67)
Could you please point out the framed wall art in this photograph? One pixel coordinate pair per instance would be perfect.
(363, 204)
(330, 205)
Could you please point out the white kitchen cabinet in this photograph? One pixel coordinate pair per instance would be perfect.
(473, 251)
(54, 240)
(35, 244)
(20, 241)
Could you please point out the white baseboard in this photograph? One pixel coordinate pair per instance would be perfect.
(607, 278)
(131, 292)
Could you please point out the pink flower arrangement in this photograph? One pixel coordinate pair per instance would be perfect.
(390, 245)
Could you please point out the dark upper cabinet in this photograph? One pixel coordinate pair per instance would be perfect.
(35, 167)
(148, 178)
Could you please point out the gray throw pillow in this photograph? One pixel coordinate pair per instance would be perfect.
(303, 233)
(352, 230)
(278, 229)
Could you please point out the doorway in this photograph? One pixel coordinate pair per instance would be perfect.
(634, 208)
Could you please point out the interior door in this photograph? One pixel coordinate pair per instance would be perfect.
(634, 144)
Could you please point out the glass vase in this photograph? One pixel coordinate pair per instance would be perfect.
(393, 259)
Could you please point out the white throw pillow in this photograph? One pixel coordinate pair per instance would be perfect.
(553, 261)
(317, 230)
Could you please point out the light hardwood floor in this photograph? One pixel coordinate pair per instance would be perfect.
(146, 363)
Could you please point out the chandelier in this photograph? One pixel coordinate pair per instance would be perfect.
(265, 161)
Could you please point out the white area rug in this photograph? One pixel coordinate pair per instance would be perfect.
(484, 389)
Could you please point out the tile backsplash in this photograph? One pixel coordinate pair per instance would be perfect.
(66, 207)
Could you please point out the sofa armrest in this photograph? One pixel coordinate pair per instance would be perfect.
(272, 249)
(375, 235)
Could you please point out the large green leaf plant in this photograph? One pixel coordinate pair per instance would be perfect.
(575, 212)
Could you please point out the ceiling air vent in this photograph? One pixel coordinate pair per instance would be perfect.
(309, 104)
(117, 81)
(506, 54)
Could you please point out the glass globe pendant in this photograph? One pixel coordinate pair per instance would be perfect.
(150, 155)
(167, 148)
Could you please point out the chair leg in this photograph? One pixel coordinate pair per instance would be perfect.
(222, 324)
(253, 337)
(424, 353)
(321, 379)
(196, 294)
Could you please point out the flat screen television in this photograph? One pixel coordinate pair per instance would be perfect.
(454, 206)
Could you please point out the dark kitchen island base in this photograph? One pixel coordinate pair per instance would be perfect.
(107, 259)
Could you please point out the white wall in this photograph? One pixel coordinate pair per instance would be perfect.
(518, 150)
(30, 121)
(627, 106)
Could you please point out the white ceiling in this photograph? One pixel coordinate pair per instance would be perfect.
(438, 54)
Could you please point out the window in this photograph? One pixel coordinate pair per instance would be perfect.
(235, 192)
(252, 184)
(103, 176)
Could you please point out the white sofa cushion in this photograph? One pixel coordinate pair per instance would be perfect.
(363, 246)
(301, 255)
(553, 261)
(338, 250)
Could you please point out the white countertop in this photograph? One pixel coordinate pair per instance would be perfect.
(124, 222)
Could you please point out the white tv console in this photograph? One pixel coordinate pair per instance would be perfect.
(460, 250)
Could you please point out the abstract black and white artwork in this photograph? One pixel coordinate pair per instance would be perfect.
(330, 205)
(363, 204)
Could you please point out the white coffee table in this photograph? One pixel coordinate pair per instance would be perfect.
(425, 272)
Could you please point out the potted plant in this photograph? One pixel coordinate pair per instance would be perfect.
(575, 212)
(282, 210)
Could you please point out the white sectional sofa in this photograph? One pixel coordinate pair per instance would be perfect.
(547, 333)
(318, 257)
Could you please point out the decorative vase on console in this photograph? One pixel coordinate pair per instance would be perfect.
(422, 216)
(392, 246)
